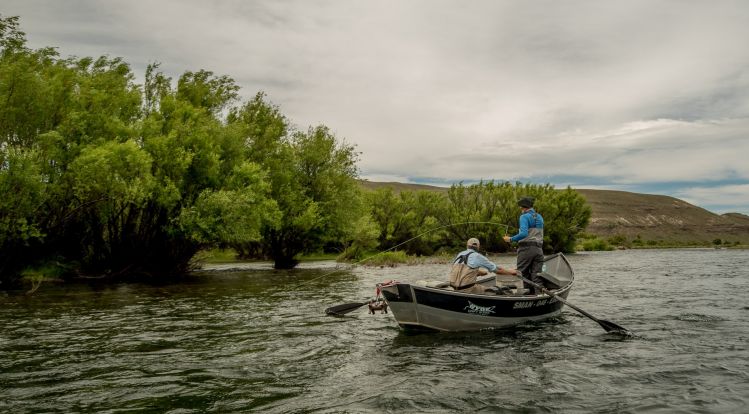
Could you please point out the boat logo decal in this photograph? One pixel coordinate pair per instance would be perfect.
(479, 310)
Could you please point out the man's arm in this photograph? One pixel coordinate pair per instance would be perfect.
(503, 271)
(483, 263)
(523, 231)
(479, 260)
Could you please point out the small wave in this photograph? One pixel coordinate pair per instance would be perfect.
(696, 317)
(620, 336)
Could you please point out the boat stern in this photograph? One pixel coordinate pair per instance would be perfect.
(400, 299)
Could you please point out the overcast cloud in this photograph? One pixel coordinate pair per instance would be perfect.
(649, 96)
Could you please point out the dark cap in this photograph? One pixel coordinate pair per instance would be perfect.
(526, 202)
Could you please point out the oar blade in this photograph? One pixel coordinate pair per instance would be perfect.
(612, 327)
(339, 310)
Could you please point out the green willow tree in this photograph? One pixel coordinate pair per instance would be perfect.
(312, 176)
(111, 183)
(25, 109)
(408, 220)
(202, 193)
(565, 212)
(141, 191)
(24, 194)
(566, 215)
(33, 87)
(122, 179)
(482, 210)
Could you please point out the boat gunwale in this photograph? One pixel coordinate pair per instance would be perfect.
(500, 297)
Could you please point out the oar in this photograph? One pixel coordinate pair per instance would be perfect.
(342, 309)
(607, 325)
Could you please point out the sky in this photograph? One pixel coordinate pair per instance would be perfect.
(641, 96)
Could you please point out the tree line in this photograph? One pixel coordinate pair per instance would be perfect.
(430, 222)
(104, 176)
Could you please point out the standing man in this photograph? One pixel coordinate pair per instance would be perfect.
(530, 240)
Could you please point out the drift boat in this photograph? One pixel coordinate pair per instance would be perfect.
(485, 305)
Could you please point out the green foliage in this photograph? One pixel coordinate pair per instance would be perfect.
(388, 258)
(11, 37)
(234, 215)
(31, 85)
(566, 214)
(596, 245)
(485, 210)
(363, 238)
(482, 203)
(619, 240)
(407, 217)
(114, 173)
(41, 272)
(319, 197)
(203, 90)
(24, 193)
(312, 176)
(127, 180)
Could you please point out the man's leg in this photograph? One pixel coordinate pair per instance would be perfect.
(536, 269)
(525, 263)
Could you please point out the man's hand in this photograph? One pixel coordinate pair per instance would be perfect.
(507, 239)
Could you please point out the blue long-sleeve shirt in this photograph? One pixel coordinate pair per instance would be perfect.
(477, 260)
(527, 220)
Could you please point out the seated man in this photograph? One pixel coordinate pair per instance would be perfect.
(469, 264)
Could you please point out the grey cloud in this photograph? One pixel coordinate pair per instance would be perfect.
(628, 92)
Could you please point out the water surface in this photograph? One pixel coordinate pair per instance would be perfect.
(254, 339)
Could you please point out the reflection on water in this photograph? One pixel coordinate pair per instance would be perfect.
(244, 338)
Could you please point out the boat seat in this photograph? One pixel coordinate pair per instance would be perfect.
(431, 283)
(496, 290)
(510, 281)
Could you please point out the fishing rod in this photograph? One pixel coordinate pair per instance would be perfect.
(507, 227)
(342, 309)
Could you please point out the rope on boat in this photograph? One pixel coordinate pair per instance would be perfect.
(506, 226)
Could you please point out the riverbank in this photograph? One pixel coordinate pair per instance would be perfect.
(592, 242)
(226, 260)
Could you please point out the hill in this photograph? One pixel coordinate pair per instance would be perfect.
(649, 216)
(398, 187)
(659, 217)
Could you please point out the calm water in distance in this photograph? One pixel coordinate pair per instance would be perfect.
(255, 339)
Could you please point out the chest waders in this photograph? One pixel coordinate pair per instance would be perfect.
(531, 255)
(461, 276)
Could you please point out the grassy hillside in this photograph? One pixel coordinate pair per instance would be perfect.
(658, 217)
(649, 216)
(398, 187)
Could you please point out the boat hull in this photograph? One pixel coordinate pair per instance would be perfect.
(420, 308)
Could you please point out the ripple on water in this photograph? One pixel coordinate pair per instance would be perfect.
(696, 317)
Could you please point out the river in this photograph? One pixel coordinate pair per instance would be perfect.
(244, 338)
